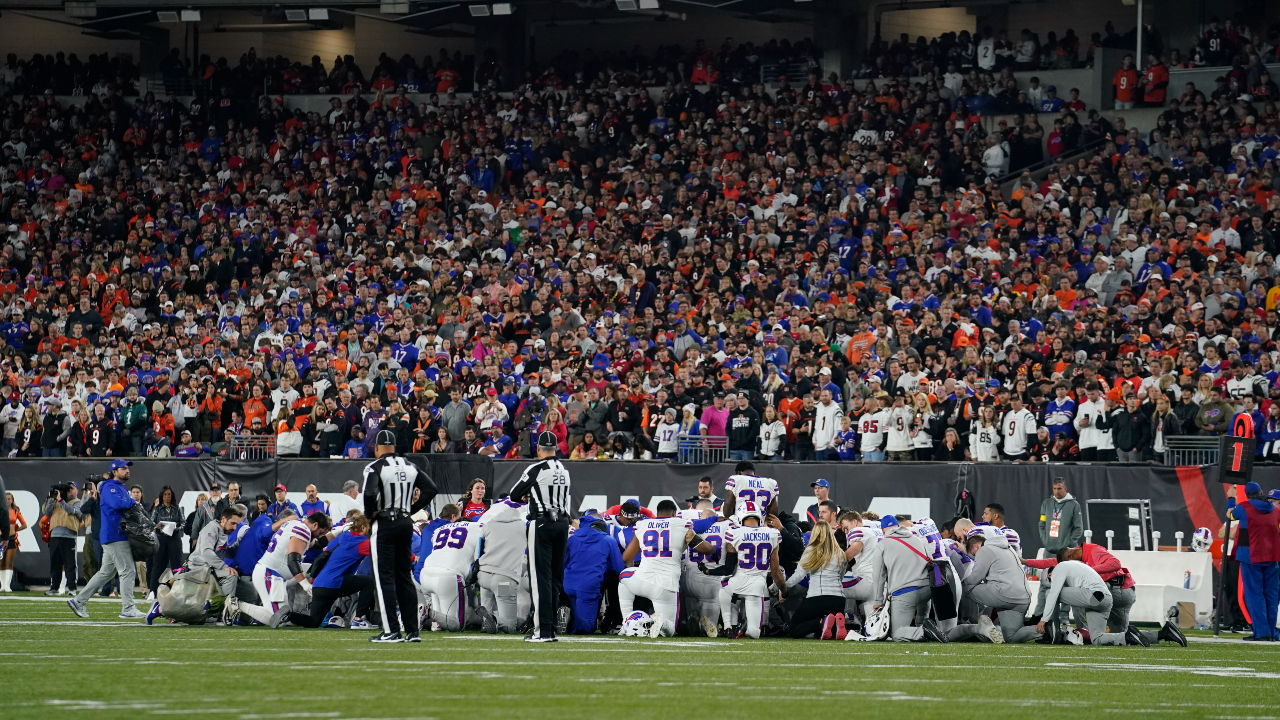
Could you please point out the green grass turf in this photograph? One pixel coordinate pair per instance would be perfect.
(56, 666)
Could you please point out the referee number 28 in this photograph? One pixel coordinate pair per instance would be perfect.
(559, 479)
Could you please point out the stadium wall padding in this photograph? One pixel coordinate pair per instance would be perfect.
(1182, 499)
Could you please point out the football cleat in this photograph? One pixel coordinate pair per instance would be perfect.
(230, 612)
(540, 638)
(1133, 637)
(488, 624)
(277, 618)
(655, 627)
(562, 619)
(153, 613)
(1172, 633)
(988, 629)
(932, 632)
(709, 627)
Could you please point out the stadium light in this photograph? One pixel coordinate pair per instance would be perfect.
(190, 16)
(479, 10)
(318, 13)
(295, 15)
(502, 8)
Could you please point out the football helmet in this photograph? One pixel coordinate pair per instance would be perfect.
(749, 509)
(877, 627)
(637, 624)
(1201, 540)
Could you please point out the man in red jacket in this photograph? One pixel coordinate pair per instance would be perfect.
(1123, 594)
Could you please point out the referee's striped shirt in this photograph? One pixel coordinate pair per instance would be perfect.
(388, 484)
(546, 482)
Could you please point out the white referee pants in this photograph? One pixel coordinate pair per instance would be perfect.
(701, 595)
(500, 595)
(755, 598)
(447, 593)
(666, 603)
(271, 593)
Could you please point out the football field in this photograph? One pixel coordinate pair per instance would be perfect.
(57, 666)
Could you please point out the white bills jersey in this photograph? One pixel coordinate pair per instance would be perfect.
(454, 547)
(755, 546)
(928, 531)
(864, 561)
(276, 559)
(715, 538)
(662, 546)
(748, 488)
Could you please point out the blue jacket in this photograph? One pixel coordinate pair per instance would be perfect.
(1237, 512)
(114, 499)
(253, 545)
(587, 556)
(273, 510)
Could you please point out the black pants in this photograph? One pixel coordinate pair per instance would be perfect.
(62, 557)
(322, 599)
(168, 556)
(807, 619)
(547, 539)
(392, 542)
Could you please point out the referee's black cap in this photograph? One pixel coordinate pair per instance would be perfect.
(548, 440)
(385, 437)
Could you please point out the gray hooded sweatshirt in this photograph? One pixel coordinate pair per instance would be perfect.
(998, 565)
(900, 567)
(505, 540)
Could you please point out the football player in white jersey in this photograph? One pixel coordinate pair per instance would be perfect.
(443, 578)
(660, 543)
(701, 593)
(745, 486)
(283, 560)
(993, 514)
(863, 546)
(749, 554)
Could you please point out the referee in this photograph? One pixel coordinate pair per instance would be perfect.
(546, 484)
(390, 485)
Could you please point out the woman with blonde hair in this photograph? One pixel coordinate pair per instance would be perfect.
(822, 612)
(921, 439)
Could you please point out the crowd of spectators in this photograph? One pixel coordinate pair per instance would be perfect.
(620, 267)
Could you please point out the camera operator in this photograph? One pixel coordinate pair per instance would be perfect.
(117, 556)
(63, 510)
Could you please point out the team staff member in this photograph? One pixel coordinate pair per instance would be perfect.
(995, 581)
(1081, 587)
(117, 558)
(1257, 552)
(334, 577)
(1061, 526)
(545, 484)
(589, 555)
(394, 489)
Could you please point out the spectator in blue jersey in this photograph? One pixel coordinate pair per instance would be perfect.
(496, 443)
(1051, 102)
(313, 503)
(1060, 412)
(590, 556)
(186, 448)
(282, 503)
(333, 576)
(354, 449)
(846, 444)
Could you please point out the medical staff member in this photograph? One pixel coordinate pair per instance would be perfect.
(590, 554)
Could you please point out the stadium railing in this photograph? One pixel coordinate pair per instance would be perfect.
(1191, 450)
(702, 449)
(252, 447)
